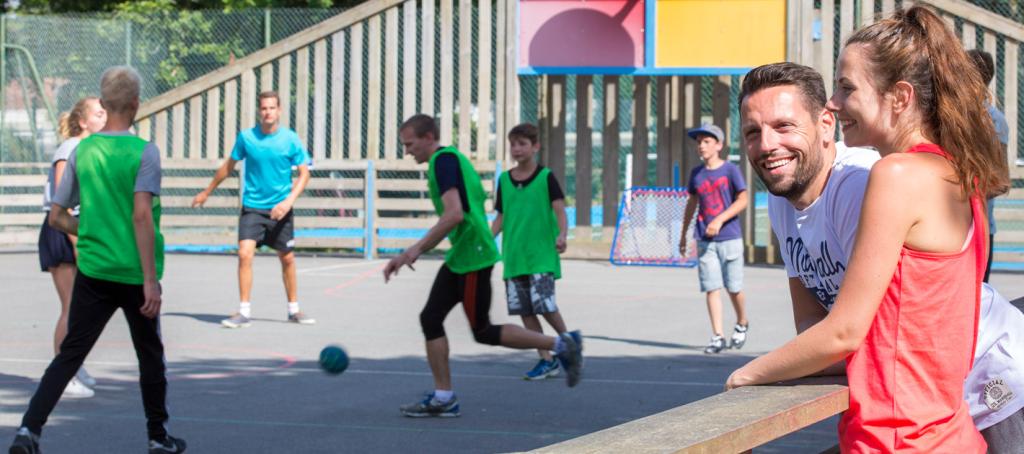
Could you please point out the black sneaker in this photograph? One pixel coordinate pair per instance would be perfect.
(715, 345)
(25, 442)
(169, 445)
(572, 357)
(430, 406)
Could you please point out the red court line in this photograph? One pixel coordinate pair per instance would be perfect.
(355, 280)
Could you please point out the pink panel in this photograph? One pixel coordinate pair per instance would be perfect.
(581, 33)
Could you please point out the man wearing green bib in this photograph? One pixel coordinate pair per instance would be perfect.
(115, 177)
(465, 276)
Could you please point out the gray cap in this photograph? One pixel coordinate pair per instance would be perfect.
(709, 129)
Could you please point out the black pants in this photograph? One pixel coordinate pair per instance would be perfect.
(473, 290)
(93, 302)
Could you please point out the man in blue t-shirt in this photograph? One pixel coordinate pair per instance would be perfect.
(269, 151)
(717, 187)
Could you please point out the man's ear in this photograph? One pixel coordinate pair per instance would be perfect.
(827, 124)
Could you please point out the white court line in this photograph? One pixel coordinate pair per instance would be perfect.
(393, 372)
(342, 265)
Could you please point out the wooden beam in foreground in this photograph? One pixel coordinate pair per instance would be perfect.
(733, 421)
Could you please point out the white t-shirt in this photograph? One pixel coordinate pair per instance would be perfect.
(817, 243)
(62, 154)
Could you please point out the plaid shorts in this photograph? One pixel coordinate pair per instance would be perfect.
(531, 294)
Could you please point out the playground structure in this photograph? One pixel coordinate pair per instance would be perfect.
(481, 67)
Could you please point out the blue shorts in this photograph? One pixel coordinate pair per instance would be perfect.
(718, 262)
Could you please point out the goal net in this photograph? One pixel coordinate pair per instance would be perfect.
(648, 228)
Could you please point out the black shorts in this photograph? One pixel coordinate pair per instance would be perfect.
(54, 247)
(256, 225)
(473, 290)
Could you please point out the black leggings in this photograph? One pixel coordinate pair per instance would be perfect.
(93, 302)
(473, 290)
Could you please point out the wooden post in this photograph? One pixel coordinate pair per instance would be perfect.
(828, 11)
(284, 88)
(465, 31)
(610, 150)
(866, 13)
(447, 108)
(846, 21)
(160, 132)
(267, 77)
(663, 170)
(555, 152)
(373, 86)
(408, 60)
(1011, 102)
(213, 148)
(391, 50)
(677, 131)
(483, 86)
(543, 117)
(691, 119)
(320, 100)
(248, 103)
(501, 122)
(301, 96)
(337, 95)
(230, 115)
(970, 37)
(178, 131)
(641, 111)
(427, 87)
(355, 92)
(584, 149)
(195, 127)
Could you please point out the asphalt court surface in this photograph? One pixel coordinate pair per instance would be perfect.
(259, 389)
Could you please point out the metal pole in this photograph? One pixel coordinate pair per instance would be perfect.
(266, 27)
(128, 43)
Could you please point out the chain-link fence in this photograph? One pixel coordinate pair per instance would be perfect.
(343, 91)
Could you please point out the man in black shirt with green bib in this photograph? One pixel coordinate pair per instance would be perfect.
(465, 277)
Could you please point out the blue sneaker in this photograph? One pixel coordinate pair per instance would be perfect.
(430, 406)
(572, 357)
(543, 369)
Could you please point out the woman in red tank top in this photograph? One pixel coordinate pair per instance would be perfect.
(905, 319)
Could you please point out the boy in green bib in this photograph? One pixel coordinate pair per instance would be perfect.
(531, 211)
(465, 277)
(115, 177)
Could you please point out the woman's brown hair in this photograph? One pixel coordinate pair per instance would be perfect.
(915, 46)
(68, 125)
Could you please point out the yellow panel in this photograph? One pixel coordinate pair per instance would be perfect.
(720, 33)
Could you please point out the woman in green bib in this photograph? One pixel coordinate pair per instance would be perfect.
(465, 276)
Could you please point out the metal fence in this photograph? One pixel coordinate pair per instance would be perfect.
(343, 91)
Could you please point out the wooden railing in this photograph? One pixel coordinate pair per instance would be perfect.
(731, 422)
(348, 205)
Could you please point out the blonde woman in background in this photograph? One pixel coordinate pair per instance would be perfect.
(57, 249)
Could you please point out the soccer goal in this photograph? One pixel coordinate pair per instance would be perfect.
(649, 224)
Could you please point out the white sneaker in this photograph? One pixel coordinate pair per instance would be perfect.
(77, 390)
(85, 378)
